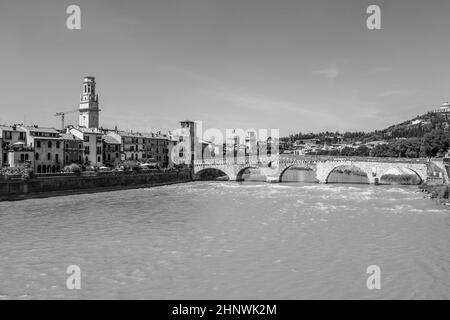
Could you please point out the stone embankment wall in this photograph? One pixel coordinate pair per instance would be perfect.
(41, 186)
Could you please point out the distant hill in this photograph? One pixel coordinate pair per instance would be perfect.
(426, 135)
(418, 127)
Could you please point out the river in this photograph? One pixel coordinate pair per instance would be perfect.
(225, 240)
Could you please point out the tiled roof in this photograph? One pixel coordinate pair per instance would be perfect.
(130, 134)
(110, 140)
(68, 136)
(40, 129)
(10, 128)
(89, 130)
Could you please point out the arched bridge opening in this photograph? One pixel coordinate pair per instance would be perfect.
(211, 174)
(299, 173)
(400, 175)
(251, 174)
(348, 174)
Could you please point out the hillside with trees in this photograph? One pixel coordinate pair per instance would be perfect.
(427, 135)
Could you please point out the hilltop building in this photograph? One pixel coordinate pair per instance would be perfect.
(444, 108)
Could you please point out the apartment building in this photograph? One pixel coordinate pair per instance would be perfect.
(92, 145)
(73, 149)
(111, 151)
(48, 148)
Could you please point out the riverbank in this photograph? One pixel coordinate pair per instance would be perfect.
(440, 192)
(62, 185)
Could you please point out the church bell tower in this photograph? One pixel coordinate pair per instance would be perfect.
(89, 111)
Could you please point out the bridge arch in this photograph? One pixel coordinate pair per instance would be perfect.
(400, 175)
(211, 173)
(310, 174)
(242, 171)
(347, 173)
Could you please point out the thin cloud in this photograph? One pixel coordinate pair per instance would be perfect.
(331, 73)
(391, 93)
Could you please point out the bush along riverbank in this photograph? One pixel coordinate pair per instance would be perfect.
(440, 192)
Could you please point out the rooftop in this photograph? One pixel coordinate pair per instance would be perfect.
(11, 128)
(40, 129)
(68, 136)
(110, 140)
(88, 130)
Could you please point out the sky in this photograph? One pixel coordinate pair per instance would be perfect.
(281, 64)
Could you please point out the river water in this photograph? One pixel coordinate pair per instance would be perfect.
(223, 240)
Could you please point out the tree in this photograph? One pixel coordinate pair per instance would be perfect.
(72, 168)
(381, 150)
(362, 151)
(435, 143)
(347, 152)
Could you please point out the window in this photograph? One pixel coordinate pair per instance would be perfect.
(49, 156)
(36, 156)
(21, 135)
(117, 155)
(27, 157)
(49, 144)
(67, 146)
(22, 157)
(8, 135)
(38, 144)
(57, 144)
(56, 157)
(86, 138)
(99, 159)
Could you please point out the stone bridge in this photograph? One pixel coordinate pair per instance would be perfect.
(274, 167)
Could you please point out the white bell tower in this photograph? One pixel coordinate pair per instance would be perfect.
(89, 111)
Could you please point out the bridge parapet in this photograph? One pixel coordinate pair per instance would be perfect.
(235, 161)
(289, 157)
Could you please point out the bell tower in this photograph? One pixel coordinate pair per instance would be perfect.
(89, 111)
